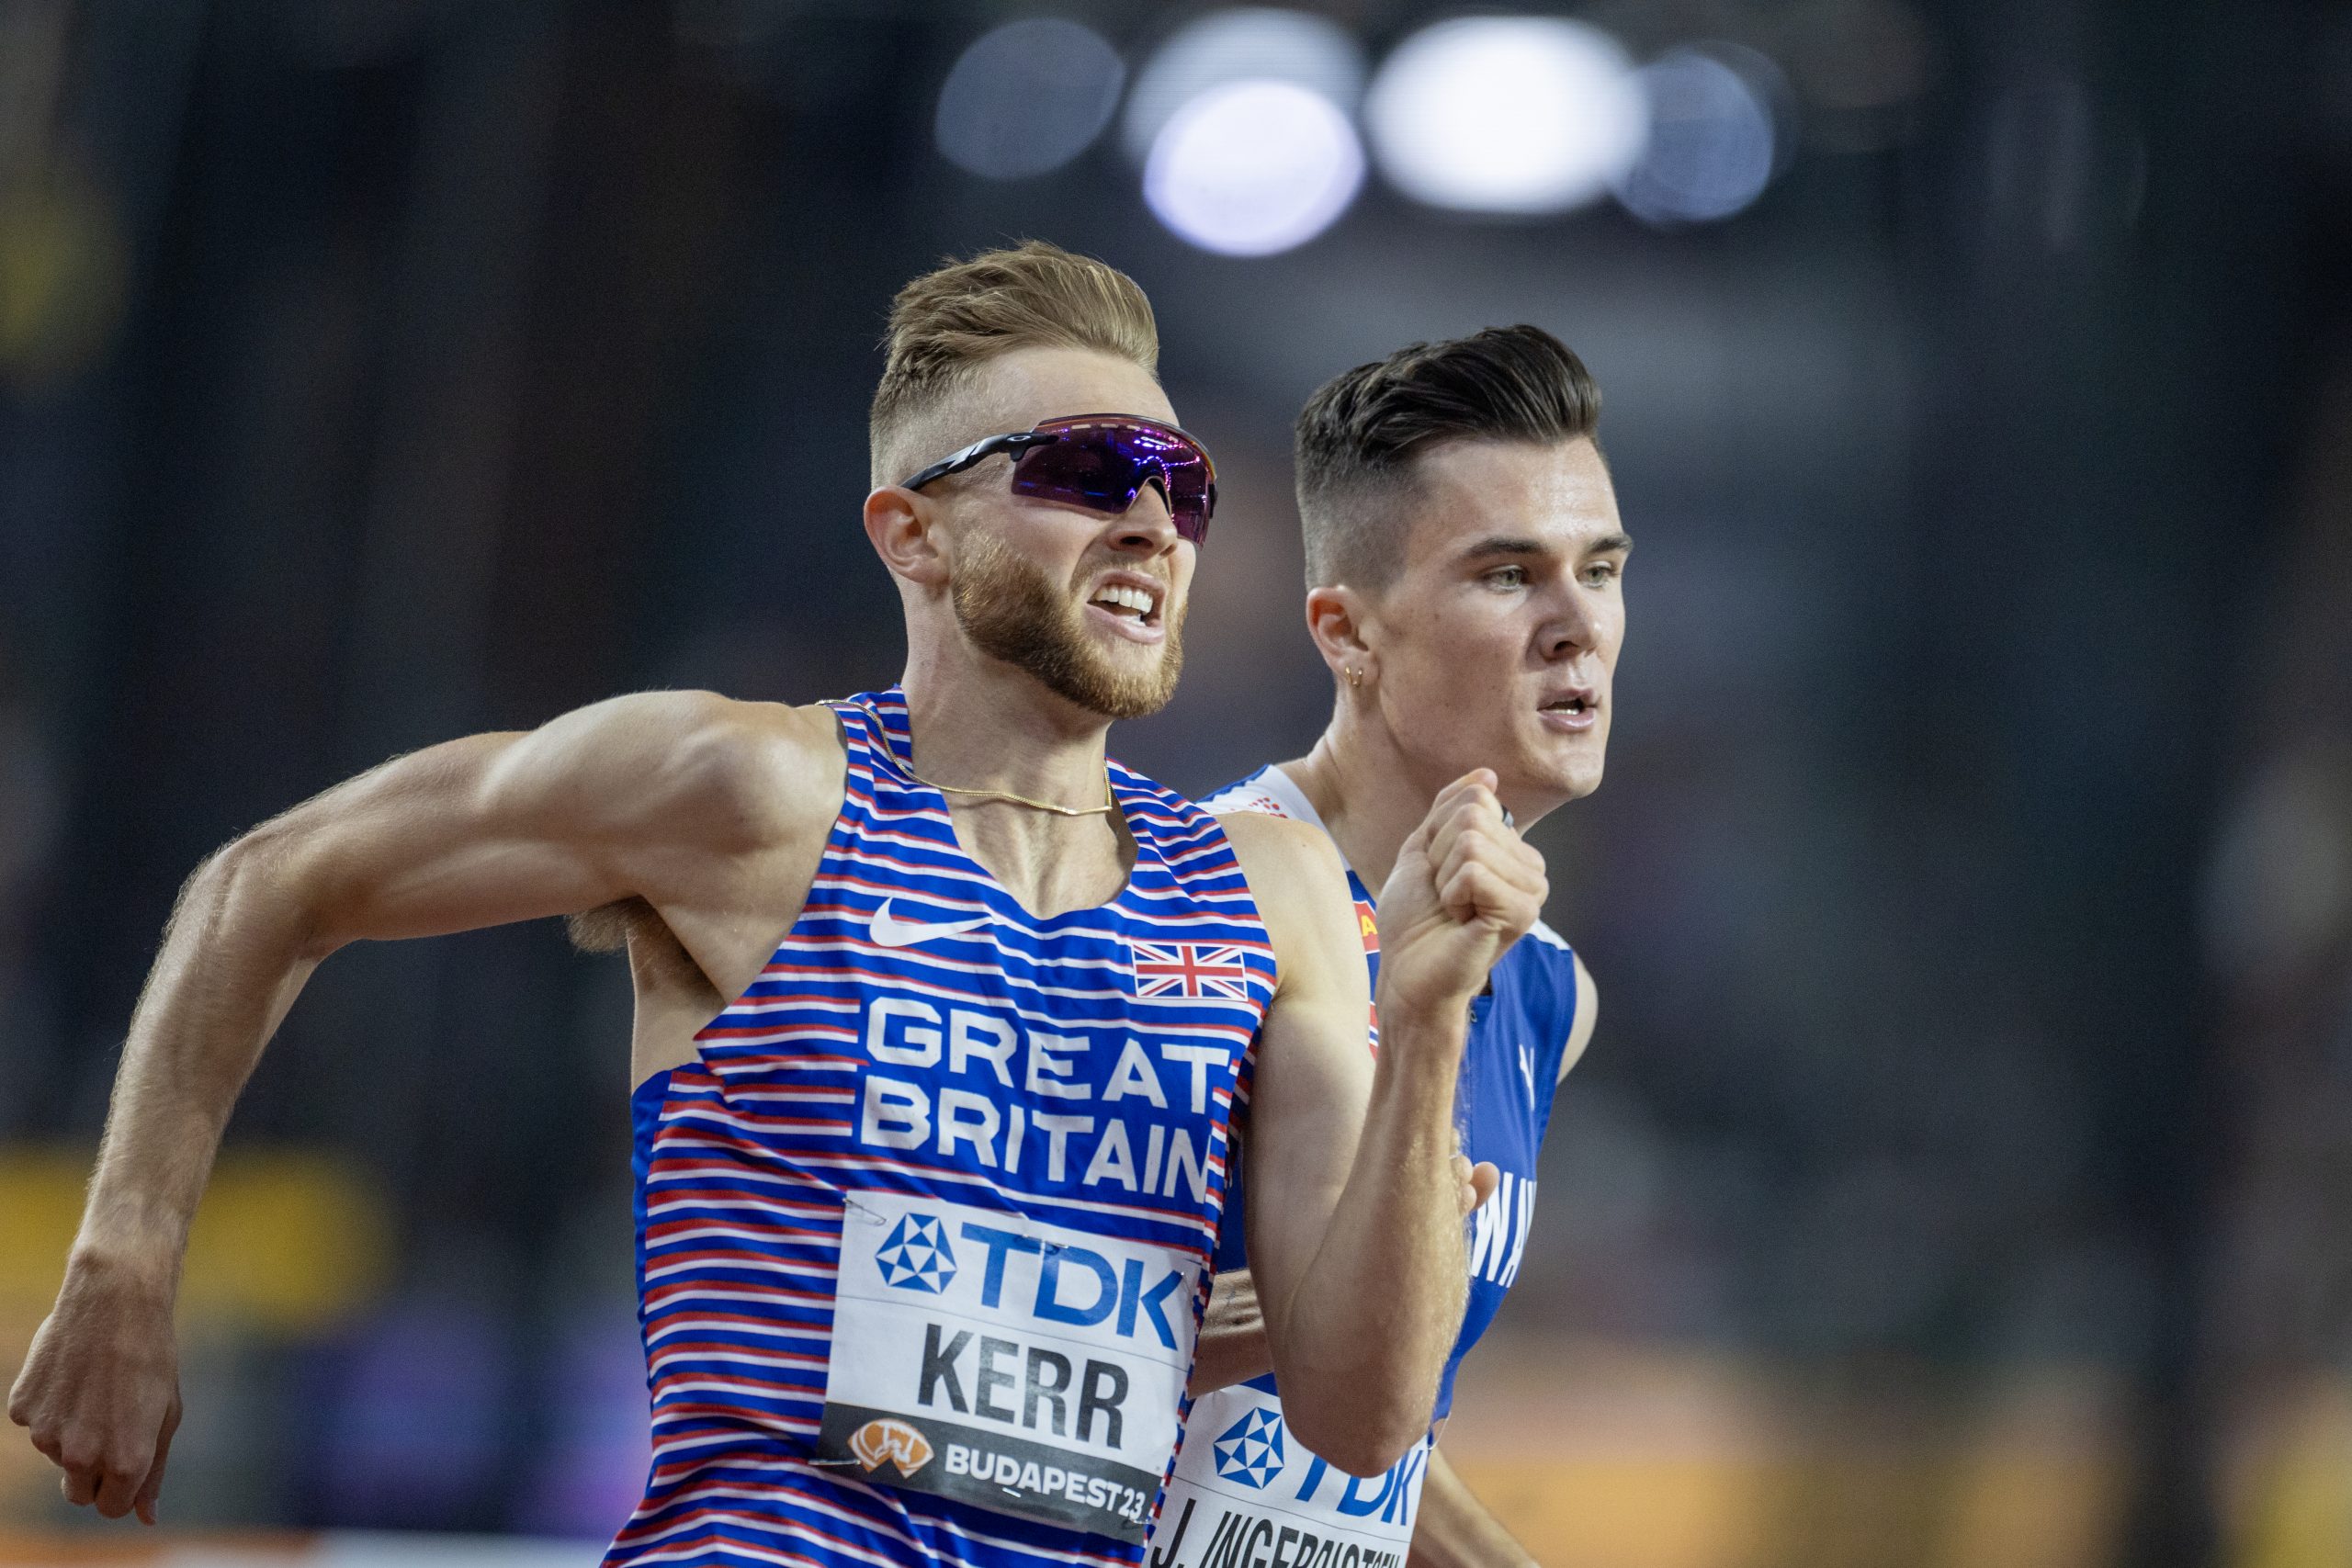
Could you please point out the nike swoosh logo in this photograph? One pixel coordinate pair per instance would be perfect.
(891, 931)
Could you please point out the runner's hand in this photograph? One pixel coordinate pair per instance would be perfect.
(1464, 890)
(1478, 1183)
(100, 1390)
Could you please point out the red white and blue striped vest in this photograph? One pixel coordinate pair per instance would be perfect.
(927, 1081)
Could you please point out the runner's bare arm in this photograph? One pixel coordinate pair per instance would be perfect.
(667, 797)
(1355, 1192)
(1455, 1531)
(1232, 1347)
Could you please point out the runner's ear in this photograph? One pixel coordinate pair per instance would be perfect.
(899, 524)
(1335, 620)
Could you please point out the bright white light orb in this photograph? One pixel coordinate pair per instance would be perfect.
(1027, 97)
(1253, 167)
(1711, 146)
(1261, 42)
(1507, 114)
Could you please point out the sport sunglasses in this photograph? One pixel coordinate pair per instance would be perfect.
(1101, 461)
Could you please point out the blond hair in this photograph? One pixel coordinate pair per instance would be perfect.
(946, 324)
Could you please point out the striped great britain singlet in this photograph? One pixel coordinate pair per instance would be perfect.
(924, 1232)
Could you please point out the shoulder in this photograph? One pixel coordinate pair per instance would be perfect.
(1559, 990)
(1545, 965)
(1248, 795)
(716, 741)
(1297, 881)
(1270, 847)
(1587, 1013)
(741, 771)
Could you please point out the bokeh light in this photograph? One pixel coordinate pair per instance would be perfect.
(1859, 54)
(1862, 67)
(1712, 143)
(1027, 97)
(1258, 42)
(1253, 167)
(1506, 115)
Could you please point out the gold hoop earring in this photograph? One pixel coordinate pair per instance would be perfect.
(1355, 676)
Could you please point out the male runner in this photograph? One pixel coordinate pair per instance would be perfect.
(939, 1017)
(1465, 564)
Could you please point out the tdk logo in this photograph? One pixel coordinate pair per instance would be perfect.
(1057, 1284)
(1250, 1450)
(915, 1255)
(1077, 1285)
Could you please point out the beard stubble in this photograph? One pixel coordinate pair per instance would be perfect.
(1012, 611)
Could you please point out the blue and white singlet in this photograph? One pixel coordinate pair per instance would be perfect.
(924, 1229)
(1242, 1482)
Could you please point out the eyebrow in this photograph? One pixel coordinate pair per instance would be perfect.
(1486, 549)
(1491, 546)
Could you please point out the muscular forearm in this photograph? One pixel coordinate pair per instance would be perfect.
(1362, 1339)
(231, 963)
(1455, 1530)
(1232, 1348)
(99, 1386)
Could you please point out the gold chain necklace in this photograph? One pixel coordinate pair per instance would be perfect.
(1110, 803)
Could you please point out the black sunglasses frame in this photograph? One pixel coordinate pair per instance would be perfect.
(1020, 440)
(980, 451)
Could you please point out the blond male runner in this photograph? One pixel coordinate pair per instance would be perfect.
(938, 1016)
(1466, 573)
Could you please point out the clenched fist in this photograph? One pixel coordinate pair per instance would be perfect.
(100, 1389)
(1464, 888)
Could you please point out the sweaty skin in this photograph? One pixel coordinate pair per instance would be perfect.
(697, 823)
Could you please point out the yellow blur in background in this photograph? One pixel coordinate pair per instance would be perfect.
(1597, 1455)
(287, 1240)
(288, 1243)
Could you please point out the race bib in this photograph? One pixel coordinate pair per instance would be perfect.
(1245, 1490)
(1005, 1362)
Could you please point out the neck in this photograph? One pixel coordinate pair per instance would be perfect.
(981, 724)
(1372, 793)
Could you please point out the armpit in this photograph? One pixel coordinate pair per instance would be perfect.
(608, 927)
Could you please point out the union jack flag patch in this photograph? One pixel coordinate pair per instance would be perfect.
(1191, 969)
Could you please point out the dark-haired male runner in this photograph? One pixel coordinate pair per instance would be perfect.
(1465, 571)
(939, 1017)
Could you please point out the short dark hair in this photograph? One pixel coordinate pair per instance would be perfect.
(1361, 432)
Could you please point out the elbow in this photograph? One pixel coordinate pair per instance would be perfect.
(1361, 1436)
(251, 883)
(1362, 1451)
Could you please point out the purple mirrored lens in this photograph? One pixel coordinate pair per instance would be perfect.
(1105, 466)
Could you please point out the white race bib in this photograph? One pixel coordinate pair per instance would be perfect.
(1246, 1491)
(1005, 1362)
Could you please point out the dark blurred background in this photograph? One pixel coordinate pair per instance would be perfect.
(1962, 1173)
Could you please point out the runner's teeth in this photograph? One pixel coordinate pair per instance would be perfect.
(1125, 598)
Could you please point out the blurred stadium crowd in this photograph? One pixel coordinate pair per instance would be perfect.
(1962, 1171)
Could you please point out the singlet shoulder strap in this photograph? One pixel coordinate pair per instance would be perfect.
(1545, 987)
(875, 731)
(1176, 833)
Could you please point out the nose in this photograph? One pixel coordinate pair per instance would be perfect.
(1573, 627)
(1146, 528)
